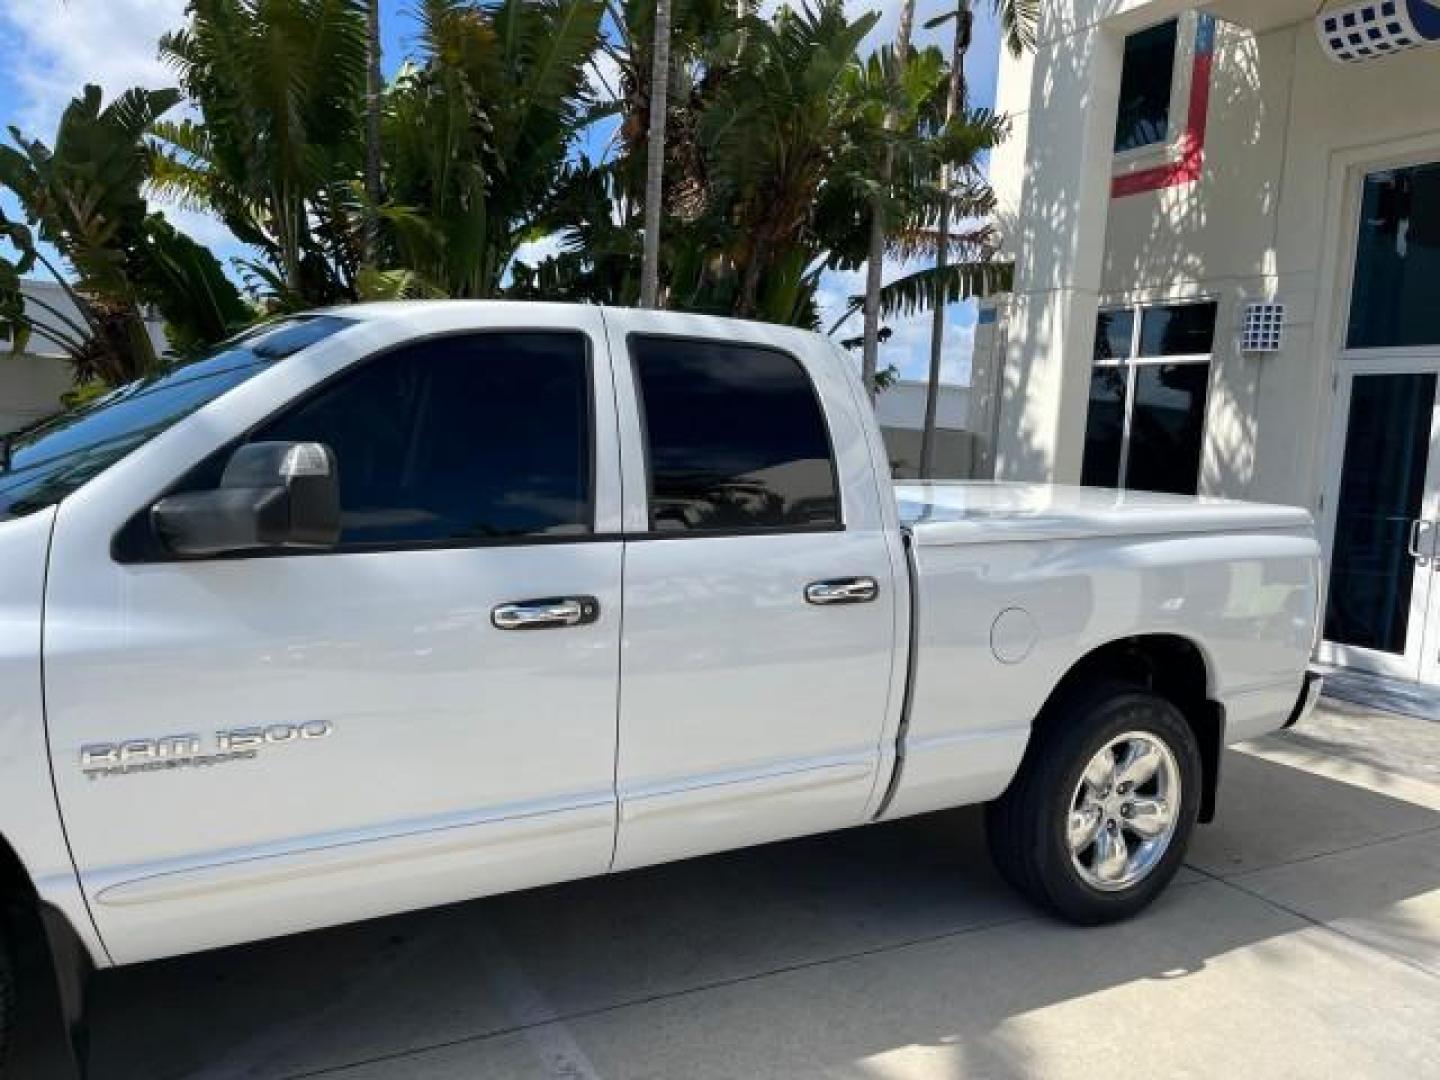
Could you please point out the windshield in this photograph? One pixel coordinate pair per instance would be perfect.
(48, 462)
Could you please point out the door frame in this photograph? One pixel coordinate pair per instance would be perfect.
(1420, 663)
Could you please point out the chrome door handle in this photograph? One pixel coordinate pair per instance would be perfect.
(852, 590)
(1417, 527)
(1416, 549)
(545, 614)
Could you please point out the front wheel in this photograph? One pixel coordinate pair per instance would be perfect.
(7, 1002)
(1096, 822)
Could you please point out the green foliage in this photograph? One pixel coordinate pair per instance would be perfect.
(85, 197)
(476, 136)
(778, 133)
(277, 153)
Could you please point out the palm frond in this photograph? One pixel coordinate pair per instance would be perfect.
(924, 289)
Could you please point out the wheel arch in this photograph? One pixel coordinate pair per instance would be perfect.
(1169, 665)
(52, 968)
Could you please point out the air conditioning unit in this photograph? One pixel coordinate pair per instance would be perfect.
(1357, 32)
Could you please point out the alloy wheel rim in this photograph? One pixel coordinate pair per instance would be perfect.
(1123, 813)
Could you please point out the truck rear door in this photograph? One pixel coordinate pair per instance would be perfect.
(760, 623)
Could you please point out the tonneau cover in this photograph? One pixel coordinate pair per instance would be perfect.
(984, 512)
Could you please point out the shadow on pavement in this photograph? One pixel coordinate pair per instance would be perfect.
(819, 953)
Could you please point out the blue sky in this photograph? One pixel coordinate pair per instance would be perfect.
(55, 46)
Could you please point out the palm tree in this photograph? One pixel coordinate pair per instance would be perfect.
(373, 192)
(1017, 21)
(655, 156)
(778, 189)
(875, 265)
(478, 135)
(84, 195)
(279, 87)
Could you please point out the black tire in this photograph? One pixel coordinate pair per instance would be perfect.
(1026, 826)
(7, 1001)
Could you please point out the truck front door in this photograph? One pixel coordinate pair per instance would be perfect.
(249, 746)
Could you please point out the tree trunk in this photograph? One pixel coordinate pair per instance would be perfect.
(953, 104)
(372, 132)
(655, 157)
(875, 266)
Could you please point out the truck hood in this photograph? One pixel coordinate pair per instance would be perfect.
(970, 512)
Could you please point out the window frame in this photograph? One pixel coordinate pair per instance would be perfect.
(135, 543)
(650, 532)
(1179, 83)
(1133, 361)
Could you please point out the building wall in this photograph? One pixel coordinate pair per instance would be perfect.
(30, 388)
(901, 413)
(31, 382)
(1273, 216)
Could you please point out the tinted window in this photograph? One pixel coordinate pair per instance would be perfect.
(1167, 428)
(1144, 116)
(1105, 427)
(1396, 300)
(458, 439)
(1114, 331)
(1178, 330)
(50, 461)
(1382, 491)
(735, 436)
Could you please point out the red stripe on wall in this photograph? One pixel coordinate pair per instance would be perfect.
(1187, 169)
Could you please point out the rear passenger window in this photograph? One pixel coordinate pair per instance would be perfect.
(458, 439)
(735, 437)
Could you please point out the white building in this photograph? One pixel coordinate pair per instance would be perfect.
(901, 412)
(32, 381)
(1174, 164)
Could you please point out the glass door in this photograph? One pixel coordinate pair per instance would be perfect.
(1384, 589)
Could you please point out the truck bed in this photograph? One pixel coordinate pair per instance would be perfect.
(985, 512)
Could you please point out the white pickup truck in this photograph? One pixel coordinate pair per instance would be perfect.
(396, 605)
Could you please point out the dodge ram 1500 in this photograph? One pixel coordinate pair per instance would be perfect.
(395, 605)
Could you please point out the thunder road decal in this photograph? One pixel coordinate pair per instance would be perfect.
(192, 751)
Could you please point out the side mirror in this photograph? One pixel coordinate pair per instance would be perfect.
(272, 495)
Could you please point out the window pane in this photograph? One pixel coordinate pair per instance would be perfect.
(55, 458)
(736, 438)
(1145, 87)
(443, 440)
(1167, 430)
(1178, 330)
(1382, 490)
(1114, 331)
(1105, 427)
(1396, 299)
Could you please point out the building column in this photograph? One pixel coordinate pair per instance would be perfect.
(1053, 180)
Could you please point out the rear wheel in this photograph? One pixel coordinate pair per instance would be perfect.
(1096, 822)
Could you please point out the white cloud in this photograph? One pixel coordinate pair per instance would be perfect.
(56, 48)
(59, 47)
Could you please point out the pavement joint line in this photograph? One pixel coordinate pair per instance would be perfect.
(1362, 943)
(560, 1055)
(651, 999)
(1359, 845)
(242, 1060)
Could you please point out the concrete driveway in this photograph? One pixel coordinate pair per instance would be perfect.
(1302, 939)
